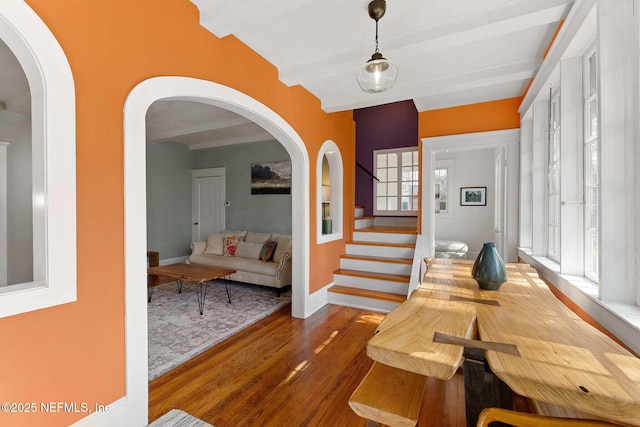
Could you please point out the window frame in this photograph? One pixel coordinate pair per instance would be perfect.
(554, 163)
(589, 143)
(614, 301)
(449, 166)
(334, 159)
(398, 195)
(54, 158)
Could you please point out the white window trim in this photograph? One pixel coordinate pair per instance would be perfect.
(53, 128)
(598, 142)
(617, 309)
(555, 98)
(448, 164)
(336, 173)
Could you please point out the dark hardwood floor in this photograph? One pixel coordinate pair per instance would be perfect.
(284, 371)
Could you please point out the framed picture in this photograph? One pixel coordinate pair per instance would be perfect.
(271, 177)
(473, 196)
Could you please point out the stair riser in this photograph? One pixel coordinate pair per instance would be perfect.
(365, 236)
(375, 266)
(399, 288)
(363, 223)
(361, 302)
(359, 212)
(379, 251)
(396, 221)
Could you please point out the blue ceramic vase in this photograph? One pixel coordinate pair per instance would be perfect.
(489, 269)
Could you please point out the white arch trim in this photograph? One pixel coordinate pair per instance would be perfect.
(54, 158)
(132, 409)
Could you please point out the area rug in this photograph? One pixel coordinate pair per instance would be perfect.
(177, 331)
(178, 418)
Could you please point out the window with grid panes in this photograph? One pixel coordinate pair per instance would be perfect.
(553, 180)
(441, 176)
(591, 167)
(396, 192)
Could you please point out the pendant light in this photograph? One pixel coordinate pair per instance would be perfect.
(377, 74)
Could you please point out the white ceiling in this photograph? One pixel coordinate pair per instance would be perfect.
(450, 52)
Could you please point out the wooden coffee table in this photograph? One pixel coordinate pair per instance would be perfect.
(199, 274)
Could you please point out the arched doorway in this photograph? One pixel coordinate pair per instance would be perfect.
(191, 89)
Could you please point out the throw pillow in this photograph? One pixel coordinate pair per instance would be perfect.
(214, 244)
(284, 243)
(267, 251)
(248, 250)
(230, 244)
(240, 234)
(261, 238)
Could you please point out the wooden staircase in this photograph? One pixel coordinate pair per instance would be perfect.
(375, 272)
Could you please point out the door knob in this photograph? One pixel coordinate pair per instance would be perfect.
(195, 223)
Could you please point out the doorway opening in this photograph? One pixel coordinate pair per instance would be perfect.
(136, 106)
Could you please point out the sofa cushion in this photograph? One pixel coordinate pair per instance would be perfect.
(284, 243)
(214, 244)
(248, 250)
(266, 254)
(230, 244)
(261, 238)
(236, 263)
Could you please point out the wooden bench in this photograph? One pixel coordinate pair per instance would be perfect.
(389, 396)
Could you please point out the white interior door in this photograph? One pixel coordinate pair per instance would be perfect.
(499, 201)
(208, 186)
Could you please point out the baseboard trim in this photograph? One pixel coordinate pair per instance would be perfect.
(317, 300)
(177, 260)
(120, 412)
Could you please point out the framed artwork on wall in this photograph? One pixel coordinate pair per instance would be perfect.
(271, 177)
(473, 196)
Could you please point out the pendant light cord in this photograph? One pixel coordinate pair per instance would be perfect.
(377, 51)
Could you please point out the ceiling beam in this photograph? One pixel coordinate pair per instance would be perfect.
(471, 28)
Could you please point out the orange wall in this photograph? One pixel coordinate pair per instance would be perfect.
(481, 117)
(75, 352)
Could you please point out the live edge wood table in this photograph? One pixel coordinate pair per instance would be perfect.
(198, 274)
(531, 341)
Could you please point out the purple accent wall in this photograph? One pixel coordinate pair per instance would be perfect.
(377, 128)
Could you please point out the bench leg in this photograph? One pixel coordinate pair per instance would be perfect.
(372, 423)
(482, 388)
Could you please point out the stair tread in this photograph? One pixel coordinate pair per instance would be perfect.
(392, 245)
(372, 275)
(367, 293)
(378, 259)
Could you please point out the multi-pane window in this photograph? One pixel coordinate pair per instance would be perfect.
(396, 191)
(591, 167)
(441, 185)
(553, 180)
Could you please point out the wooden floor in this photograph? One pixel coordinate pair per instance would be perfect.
(288, 372)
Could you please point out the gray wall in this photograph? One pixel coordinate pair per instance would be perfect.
(258, 212)
(168, 199)
(169, 168)
(470, 224)
(16, 129)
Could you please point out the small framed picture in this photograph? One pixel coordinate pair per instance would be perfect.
(473, 196)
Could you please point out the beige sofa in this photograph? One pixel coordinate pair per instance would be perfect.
(258, 258)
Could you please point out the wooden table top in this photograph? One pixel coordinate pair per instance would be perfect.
(190, 272)
(562, 360)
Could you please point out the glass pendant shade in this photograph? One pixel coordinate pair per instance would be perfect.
(377, 74)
